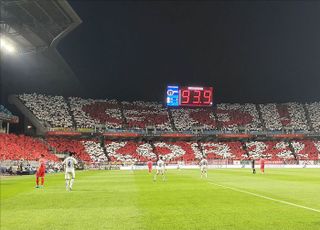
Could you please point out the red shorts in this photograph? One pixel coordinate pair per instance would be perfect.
(41, 172)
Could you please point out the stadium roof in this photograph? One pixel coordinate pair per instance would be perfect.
(33, 28)
(34, 25)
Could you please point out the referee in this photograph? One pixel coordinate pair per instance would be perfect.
(253, 161)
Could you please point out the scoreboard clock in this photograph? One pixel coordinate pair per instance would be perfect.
(189, 96)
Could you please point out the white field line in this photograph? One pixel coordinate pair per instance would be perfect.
(266, 197)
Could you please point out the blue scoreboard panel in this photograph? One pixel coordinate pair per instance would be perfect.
(172, 95)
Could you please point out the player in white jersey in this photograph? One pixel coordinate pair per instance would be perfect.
(69, 164)
(161, 168)
(204, 167)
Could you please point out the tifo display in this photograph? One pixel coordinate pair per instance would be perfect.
(189, 96)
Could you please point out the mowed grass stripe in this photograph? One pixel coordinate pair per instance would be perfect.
(192, 203)
(264, 197)
(131, 200)
(100, 200)
(298, 186)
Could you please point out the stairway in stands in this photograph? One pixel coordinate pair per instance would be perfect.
(306, 111)
(200, 148)
(218, 124)
(173, 126)
(244, 147)
(52, 149)
(124, 119)
(74, 123)
(263, 124)
(292, 150)
(102, 144)
(153, 149)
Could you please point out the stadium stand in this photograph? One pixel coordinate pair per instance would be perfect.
(89, 113)
(314, 115)
(140, 114)
(306, 149)
(174, 151)
(13, 147)
(64, 145)
(232, 117)
(142, 151)
(271, 150)
(6, 118)
(284, 116)
(228, 117)
(16, 147)
(123, 118)
(190, 151)
(185, 119)
(5, 111)
(52, 110)
(95, 150)
(223, 150)
(124, 151)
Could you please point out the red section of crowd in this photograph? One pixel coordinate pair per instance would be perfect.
(98, 110)
(308, 150)
(13, 147)
(67, 145)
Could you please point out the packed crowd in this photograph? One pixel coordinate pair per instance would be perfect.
(284, 116)
(52, 110)
(64, 145)
(234, 150)
(111, 114)
(273, 150)
(228, 117)
(89, 113)
(140, 115)
(17, 147)
(314, 115)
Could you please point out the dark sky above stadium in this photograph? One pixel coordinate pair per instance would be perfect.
(248, 51)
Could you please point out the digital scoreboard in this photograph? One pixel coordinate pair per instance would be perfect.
(189, 96)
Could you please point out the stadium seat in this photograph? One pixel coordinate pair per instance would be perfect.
(314, 115)
(16, 147)
(306, 149)
(228, 117)
(284, 116)
(64, 145)
(141, 114)
(52, 110)
(5, 110)
(89, 113)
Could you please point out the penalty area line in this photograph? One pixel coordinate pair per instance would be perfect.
(266, 197)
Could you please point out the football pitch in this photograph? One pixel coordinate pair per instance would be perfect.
(227, 199)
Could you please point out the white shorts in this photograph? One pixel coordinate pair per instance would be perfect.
(69, 173)
(203, 168)
(160, 170)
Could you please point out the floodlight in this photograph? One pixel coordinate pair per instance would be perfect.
(6, 45)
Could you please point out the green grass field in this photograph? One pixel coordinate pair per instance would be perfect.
(228, 199)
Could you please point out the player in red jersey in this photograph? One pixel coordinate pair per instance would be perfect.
(149, 163)
(262, 165)
(41, 171)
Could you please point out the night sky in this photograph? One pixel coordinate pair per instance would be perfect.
(248, 51)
